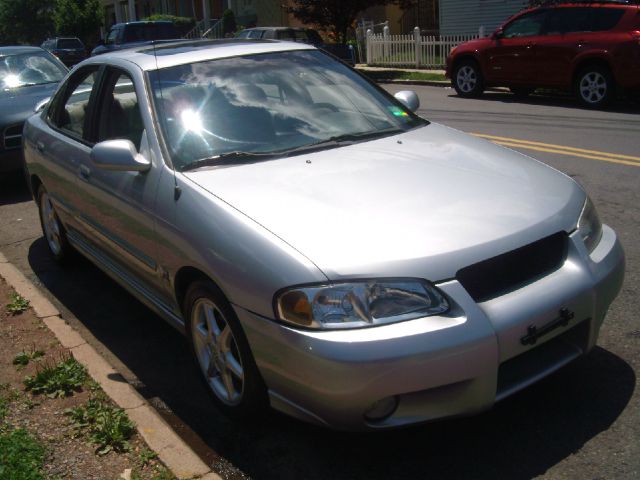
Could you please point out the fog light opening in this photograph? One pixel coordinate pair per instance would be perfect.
(381, 409)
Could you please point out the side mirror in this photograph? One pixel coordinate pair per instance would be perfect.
(497, 34)
(409, 99)
(118, 156)
(41, 104)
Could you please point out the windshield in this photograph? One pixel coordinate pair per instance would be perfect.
(140, 32)
(32, 68)
(275, 103)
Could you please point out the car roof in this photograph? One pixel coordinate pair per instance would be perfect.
(13, 50)
(146, 22)
(162, 54)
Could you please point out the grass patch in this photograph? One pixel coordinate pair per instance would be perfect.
(107, 426)
(381, 75)
(21, 456)
(59, 380)
(18, 304)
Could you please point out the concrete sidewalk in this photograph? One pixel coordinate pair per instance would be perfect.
(379, 71)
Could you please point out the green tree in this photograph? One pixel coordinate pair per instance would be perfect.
(78, 18)
(25, 21)
(336, 16)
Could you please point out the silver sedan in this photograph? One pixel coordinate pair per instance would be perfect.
(325, 250)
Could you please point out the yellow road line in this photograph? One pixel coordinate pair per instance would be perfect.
(564, 152)
(559, 147)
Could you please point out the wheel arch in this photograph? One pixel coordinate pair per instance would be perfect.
(463, 57)
(34, 185)
(184, 277)
(591, 61)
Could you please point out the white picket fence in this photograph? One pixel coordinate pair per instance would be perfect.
(415, 50)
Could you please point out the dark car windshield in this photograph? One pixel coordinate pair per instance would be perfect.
(271, 103)
(31, 68)
(69, 43)
(149, 31)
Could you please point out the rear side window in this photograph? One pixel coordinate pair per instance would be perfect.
(69, 113)
(567, 20)
(603, 19)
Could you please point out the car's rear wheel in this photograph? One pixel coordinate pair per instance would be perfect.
(594, 86)
(467, 79)
(53, 230)
(221, 351)
(522, 92)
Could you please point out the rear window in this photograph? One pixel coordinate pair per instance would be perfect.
(70, 43)
(149, 31)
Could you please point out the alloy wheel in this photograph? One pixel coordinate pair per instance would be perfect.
(50, 224)
(593, 87)
(217, 352)
(467, 78)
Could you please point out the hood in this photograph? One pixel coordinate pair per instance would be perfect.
(423, 204)
(17, 104)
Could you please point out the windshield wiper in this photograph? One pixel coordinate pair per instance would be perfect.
(228, 158)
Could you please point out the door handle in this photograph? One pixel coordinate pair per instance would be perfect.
(85, 172)
(40, 146)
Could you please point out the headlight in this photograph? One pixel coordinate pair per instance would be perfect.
(359, 304)
(589, 226)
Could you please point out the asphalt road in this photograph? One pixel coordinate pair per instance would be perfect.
(583, 422)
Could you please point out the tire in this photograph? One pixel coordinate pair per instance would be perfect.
(467, 79)
(522, 92)
(54, 232)
(594, 86)
(221, 352)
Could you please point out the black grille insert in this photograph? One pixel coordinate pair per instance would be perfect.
(12, 137)
(512, 270)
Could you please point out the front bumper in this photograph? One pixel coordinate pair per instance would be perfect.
(440, 366)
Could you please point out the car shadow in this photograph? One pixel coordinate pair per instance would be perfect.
(521, 437)
(555, 99)
(13, 188)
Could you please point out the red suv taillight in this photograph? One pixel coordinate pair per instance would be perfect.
(636, 34)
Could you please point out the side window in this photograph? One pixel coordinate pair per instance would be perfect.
(111, 37)
(568, 20)
(255, 34)
(526, 26)
(603, 19)
(119, 116)
(69, 112)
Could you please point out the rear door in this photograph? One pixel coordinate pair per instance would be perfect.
(509, 59)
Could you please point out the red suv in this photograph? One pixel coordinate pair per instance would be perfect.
(590, 48)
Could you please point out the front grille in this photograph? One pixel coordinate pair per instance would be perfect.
(12, 137)
(512, 270)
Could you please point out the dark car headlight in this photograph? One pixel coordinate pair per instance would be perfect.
(589, 225)
(359, 304)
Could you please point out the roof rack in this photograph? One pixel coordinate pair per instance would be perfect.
(614, 2)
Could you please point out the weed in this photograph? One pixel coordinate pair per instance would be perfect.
(145, 456)
(162, 473)
(18, 304)
(4, 408)
(21, 456)
(108, 427)
(58, 380)
(23, 358)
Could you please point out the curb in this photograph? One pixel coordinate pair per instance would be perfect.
(177, 456)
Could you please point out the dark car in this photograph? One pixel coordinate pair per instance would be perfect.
(69, 50)
(589, 48)
(28, 76)
(134, 34)
(299, 34)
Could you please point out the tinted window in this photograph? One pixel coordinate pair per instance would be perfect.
(70, 43)
(526, 26)
(255, 33)
(148, 31)
(244, 34)
(567, 20)
(119, 112)
(605, 18)
(111, 38)
(70, 113)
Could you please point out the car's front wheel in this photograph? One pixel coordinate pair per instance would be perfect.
(222, 352)
(467, 79)
(52, 228)
(594, 86)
